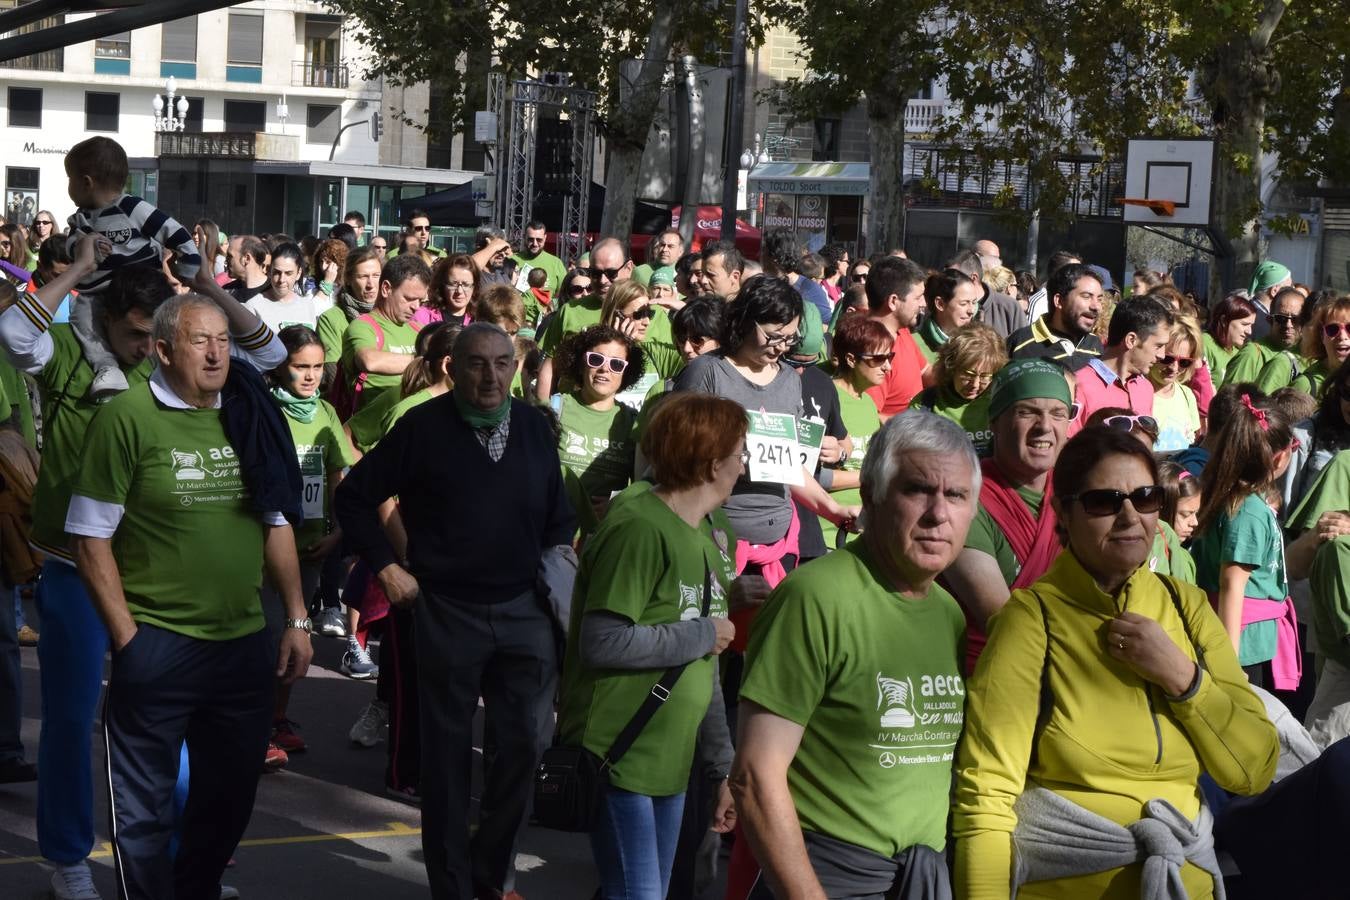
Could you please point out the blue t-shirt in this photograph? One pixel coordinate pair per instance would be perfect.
(814, 294)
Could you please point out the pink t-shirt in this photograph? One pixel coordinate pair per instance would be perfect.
(1099, 388)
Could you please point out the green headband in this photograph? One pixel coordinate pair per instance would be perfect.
(1028, 379)
(663, 275)
(1267, 275)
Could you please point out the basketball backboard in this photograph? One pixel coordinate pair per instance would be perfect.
(1180, 170)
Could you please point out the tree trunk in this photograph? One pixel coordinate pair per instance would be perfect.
(1238, 82)
(693, 151)
(630, 123)
(885, 184)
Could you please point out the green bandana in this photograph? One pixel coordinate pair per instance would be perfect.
(478, 419)
(301, 409)
(1027, 379)
(663, 275)
(1267, 275)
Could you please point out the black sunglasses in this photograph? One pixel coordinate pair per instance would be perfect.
(611, 274)
(645, 312)
(1283, 321)
(578, 290)
(1183, 362)
(1106, 502)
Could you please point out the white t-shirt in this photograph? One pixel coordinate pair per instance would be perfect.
(303, 310)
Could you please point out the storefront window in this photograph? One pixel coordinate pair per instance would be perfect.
(21, 195)
(811, 221)
(845, 221)
(780, 211)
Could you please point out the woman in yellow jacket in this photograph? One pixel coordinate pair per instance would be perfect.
(1102, 696)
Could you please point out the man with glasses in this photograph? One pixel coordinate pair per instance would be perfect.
(609, 265)
(1137, 339)
(1286, 321)
(1268, 280)
(380, 244)
(417, 226)
(664, 251)
(534, 256)
(1012, 540)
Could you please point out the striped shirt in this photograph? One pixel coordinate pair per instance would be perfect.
(139, 233)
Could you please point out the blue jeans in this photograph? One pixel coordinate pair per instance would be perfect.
(634, 844)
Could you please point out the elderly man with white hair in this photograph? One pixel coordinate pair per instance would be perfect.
(853, 698)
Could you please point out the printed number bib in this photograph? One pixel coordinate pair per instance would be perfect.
(810, 435)
(312, 502)
(774, 452)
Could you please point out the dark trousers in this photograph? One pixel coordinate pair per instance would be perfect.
(398, 686)
(503, 652)
(11, 680)
(217, 695)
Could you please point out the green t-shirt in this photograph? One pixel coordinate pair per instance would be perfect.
(361, 336)
(1313, 379)
(550, 264)
(971, 415)
(15, 405)
(875, 681)
(597, 445)
(578, 315)
(367, 424)
(1247, 363)
(66, 414)
(1279, 371)
(986, 536)
(861, 421)
(646, 564)
(322, 447)
(397, 411)
(1217, 359)
(1168, 557)
(189, 547)
(1251, 537)
(663, 360)
(331, 327)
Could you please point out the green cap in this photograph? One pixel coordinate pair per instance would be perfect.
(1267, 275)
(1027, 379)
(663, 275)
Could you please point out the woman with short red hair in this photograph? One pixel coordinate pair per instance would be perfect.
(1230, 326)
(651, 594)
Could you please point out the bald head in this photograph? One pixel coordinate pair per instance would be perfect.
(609, 264)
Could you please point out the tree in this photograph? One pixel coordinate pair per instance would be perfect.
(871, 51)
(451, 45)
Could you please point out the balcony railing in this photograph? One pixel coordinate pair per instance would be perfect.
(46, 61)
(211, 145)
(325, 76)
(922, 115)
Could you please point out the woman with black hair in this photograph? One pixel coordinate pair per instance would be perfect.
(281, 303)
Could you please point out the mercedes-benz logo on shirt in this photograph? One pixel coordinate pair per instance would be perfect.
(887, 760)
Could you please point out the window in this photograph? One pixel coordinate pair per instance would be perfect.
(249, 116)
(25, 107)
(178, 40)
(114, 46)
(322, 123)
(21, 195)
(825, 142)
(244, 47)
(101, 111)
(196, 111)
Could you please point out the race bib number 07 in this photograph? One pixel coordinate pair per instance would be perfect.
(772, 444)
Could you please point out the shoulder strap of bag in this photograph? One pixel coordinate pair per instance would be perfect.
(1185, 623)
(658, 695)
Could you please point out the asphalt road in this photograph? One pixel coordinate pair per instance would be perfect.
(322, 828)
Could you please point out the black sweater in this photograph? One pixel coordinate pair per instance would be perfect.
(476, 528)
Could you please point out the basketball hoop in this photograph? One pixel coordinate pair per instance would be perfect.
(1158, 207)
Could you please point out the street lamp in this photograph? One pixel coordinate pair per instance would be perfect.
(164, 107)
(749, 159)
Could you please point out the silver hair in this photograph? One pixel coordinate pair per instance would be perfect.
(165, 323)
(472, 333)
(913, 431)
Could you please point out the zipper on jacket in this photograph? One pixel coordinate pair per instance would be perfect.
(1157, 728)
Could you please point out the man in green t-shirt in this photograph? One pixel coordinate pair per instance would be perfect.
(376, 349)
(167, 539)
(853, 697)
(1286, 322)
(536, 257)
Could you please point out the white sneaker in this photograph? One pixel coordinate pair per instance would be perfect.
(370, 724)
(74, 883)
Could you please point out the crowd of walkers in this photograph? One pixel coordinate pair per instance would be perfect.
(893, 581)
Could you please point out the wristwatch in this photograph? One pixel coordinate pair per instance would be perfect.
(304, 625)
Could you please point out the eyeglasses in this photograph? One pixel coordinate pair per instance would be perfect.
(1283, 321)
(781, 339)
(1335, 329)
(1106, 502)
(459, 285)
(977, 377)
(578, 290)
(598, 360)
(611, 274)
(1182, 362)
(859, 277)
(877, 359)
(645, 312)
(1127, 423)
(745, 458)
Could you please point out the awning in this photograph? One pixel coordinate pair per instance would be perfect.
(838, 178)
(361, 172)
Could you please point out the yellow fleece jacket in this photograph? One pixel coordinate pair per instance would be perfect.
(1112, 740)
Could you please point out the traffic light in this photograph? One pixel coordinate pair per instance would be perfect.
(376, 126)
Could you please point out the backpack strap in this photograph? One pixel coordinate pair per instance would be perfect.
(375, 326)
(1185, 622)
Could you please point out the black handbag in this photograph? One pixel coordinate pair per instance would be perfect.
(570, 782)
